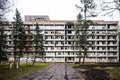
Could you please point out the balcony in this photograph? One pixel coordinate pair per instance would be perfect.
(101, 44)
(101, 55)
(48, 34)
(112, 28)
(110, 59)
(59, 39)
(112, 55)
(101, 50)
(49, 39)
(59, 45)
(91, 55)
(112, 44)
(112, 39)
(112, 49)
(59, 33)
(112, 33)
(49, 45)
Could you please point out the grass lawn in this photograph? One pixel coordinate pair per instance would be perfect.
(11, 74)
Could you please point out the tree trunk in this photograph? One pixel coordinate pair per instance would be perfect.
(14, 58)
(79, 59)
(34, 59)
(27, 59)
(83, 60)
(1, 57)
(79, 56)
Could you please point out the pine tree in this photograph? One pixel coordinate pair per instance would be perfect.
(19, 36)
(3, 44)
(39, 43)
(4, 7)
(82, 26)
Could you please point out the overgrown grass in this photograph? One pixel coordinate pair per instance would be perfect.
(10, 74)
(114, 73)
(112, 70)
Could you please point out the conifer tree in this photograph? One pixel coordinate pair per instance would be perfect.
(82, 25)
(4, 7)
(19, 36)
(39, 43)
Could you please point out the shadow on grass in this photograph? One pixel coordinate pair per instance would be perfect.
(95, 74)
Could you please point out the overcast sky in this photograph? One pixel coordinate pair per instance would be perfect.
(55, 9)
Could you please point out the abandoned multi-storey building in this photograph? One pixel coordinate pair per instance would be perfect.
(58, 36)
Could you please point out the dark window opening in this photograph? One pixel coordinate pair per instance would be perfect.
(69, 32)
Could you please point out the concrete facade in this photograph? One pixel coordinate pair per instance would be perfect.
(58, 36)
(58, 40)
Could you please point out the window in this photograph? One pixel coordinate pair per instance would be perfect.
(114, 48)
(56, 37)
(103, 27)
(93, 27)
(65, 42)
(52, 37)
(62, 48)
(108, 42)
(56, 42)
(62, 37)
(114, 42)
(68, 53)
(93, 32)
(69, 32)
(46, 32)
(52, 32)
(69, 26)
(46, 48)
(46, 42)
(108, 26)
(97, 48)
(69, 42)
(103, 37)
(52, 48)
(52, 42)
(93, 48)
(93, 42)
(114, 37)
(62, 42)
(46, 37)
(10, 42)
(10, 36)
(93, 37)
(98, 42)
(103, 48)
(103, 42)
(97, 37)
(69, 37)
(114, 53)
(108, 48)
(65, 48)
(59, 53)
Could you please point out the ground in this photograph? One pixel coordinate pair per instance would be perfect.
(57, 71)
(66, 71)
